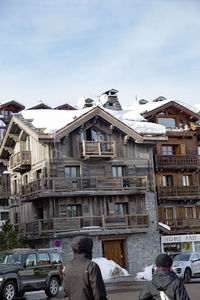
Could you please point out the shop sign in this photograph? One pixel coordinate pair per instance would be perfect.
(180, 238)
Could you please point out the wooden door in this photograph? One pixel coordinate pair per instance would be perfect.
(114, 250)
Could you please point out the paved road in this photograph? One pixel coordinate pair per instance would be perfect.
(120, 290)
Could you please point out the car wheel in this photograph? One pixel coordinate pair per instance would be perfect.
(53, 287)
(187, 276)
(21, 294)
(9, 290)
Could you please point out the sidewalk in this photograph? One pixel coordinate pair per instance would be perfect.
(124, 280)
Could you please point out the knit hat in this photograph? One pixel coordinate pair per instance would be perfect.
(163, 260)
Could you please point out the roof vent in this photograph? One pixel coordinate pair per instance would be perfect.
(160, 98)
(143, 101)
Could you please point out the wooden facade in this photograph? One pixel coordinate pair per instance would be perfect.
(177, 165)
(94, 174)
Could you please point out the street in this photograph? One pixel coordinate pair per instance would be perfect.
(127, 290)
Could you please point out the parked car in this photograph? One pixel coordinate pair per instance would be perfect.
(187, 265)
(23, 270)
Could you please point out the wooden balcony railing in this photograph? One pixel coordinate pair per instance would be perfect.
(177, 225)
(177, 162)
(55, 225)
(190, 191)
(62, 184)
(20, 160)
(98, 149)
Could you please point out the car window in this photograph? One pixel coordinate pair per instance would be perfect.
(31, 260)
(182, 257)
(194, 256)
(11, 258)
(55, 258)
(43, 258)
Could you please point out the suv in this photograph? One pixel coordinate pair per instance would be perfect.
(23, 270)
(187, 265)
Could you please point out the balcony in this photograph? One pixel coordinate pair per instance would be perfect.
(21, 161)
(66, 185)
(177, 162)
(178, 192)
(182, 225)
(56, 225)
(103, 149)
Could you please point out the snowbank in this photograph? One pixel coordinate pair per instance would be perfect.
(109, 268)
(146, 274)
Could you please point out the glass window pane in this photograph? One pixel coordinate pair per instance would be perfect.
(119, 171)
(73, 172)
(67, 172)
(114, 171)
(167, 122)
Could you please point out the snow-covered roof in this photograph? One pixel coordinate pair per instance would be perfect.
(7, 102)
(143, 108)
(38, 104)
(52, 120)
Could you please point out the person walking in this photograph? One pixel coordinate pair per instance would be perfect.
(82, 276)
(164, 284)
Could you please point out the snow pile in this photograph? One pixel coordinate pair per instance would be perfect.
(109, 268)
(146, 274)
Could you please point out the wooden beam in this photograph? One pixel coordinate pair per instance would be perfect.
(15, 137)
(9, 149)
(126, 139)
(4, 161)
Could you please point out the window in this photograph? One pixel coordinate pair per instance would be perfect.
(72, 172)
(4, 215)
(15, 186)
(189, 212)
(40, 213)
(121, 208)
(168, 150)
(181, 124)
(31, 260)
(199, 150)
(117, 171)
(167, 122)
(94, 135)
(16, 218)
(55, 258)
(43, 258)
(167, 180)
(187, 180)
(73, 210)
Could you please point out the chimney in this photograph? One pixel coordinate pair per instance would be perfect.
(112, 100)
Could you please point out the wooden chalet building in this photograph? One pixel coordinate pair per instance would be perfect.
(177, 174)
(7, 109)
(93, 175)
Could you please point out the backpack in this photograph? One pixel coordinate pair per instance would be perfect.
(163, 296)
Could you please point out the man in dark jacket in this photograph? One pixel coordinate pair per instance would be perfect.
(82, 276)
(164, 280)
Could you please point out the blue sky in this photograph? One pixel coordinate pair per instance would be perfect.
(60, 50)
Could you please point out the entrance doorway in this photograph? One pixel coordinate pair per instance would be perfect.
(115, 250)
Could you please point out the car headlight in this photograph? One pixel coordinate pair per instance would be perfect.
(178, 264)
(1, 279)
